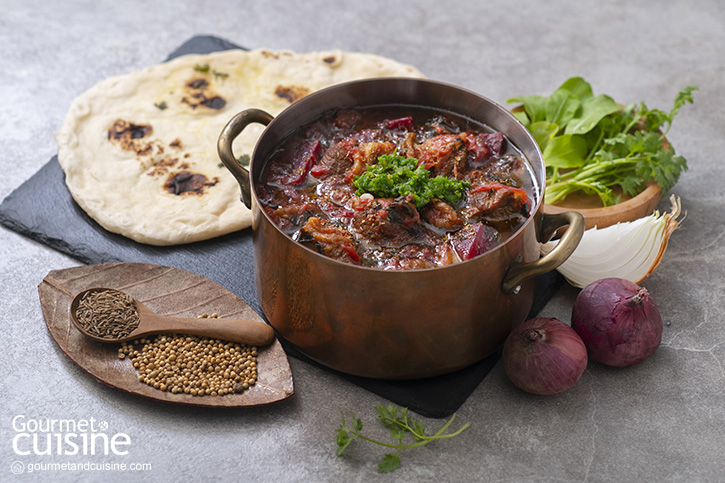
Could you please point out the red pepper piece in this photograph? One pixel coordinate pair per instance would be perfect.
(303, 159)
(402, 123)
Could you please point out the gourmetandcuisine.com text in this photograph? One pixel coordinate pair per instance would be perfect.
(88, 466)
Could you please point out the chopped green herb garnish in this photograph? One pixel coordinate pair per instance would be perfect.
(591, 143)
(394, 175)
(243, 160)
(162, 105)
(396, 419)
(206, 68)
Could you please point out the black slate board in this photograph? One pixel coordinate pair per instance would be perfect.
(42, 209)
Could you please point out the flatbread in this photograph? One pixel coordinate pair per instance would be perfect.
(139, 150)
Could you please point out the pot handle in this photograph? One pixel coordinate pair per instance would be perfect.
(224, 147)
(518, 272)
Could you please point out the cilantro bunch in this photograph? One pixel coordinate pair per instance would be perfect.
(400, 424)
(591, 143)
(394, 175)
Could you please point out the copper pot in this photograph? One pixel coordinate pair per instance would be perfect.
(395, 324)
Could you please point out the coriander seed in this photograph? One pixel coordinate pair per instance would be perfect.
(192, 365)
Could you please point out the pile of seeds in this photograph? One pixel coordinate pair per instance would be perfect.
(198, 366)
(108, 314)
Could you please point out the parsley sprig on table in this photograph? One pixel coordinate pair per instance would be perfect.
(591, 143)
(400, 424)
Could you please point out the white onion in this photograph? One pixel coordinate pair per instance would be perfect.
(629, 250)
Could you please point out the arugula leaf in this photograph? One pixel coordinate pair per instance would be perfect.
(593, 110)
(578, 87)
(561, 107)
(522, 117)
(565, 151)
(400, 424)
(602, 144)
(534, 106)
(543, 131)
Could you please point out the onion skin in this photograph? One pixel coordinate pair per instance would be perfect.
(544, 356)
(618, 321)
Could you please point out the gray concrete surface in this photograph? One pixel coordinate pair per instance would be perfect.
(662, 420)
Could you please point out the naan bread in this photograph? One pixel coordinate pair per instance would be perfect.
(139, 150)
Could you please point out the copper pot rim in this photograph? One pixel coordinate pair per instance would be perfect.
(310, 98)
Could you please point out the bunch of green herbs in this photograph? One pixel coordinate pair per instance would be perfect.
(394, 175)
(400, 424)
(592, 144)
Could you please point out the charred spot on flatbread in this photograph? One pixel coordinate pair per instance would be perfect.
(185, 182)
(130, 136)
(163, 166)
(291, 93)
(198, 93)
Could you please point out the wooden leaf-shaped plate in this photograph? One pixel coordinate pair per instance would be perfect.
(167, 291)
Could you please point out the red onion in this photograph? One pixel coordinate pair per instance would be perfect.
(544, 356)
(618, 322)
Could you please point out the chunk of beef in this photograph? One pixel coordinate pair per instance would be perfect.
(368, 153)
(441, 215)
(408, 147)
(509, 170)
(350, 158)
(286, 205)
(336, 160)
(289, 218)
(387, 222)
(483, 147)
(443, 155)
(346, 119)
(335, 211)
(328, 239)
(335, 189)
(495, 201)
(290, 208)
(411, 257)
(295, 213)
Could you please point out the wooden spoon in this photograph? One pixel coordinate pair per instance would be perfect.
(248, 332)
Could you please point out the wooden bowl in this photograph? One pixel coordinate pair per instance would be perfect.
(595, 214)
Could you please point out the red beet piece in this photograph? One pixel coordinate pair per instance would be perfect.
(473, 240)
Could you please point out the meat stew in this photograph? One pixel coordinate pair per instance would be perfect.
(397, 188)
